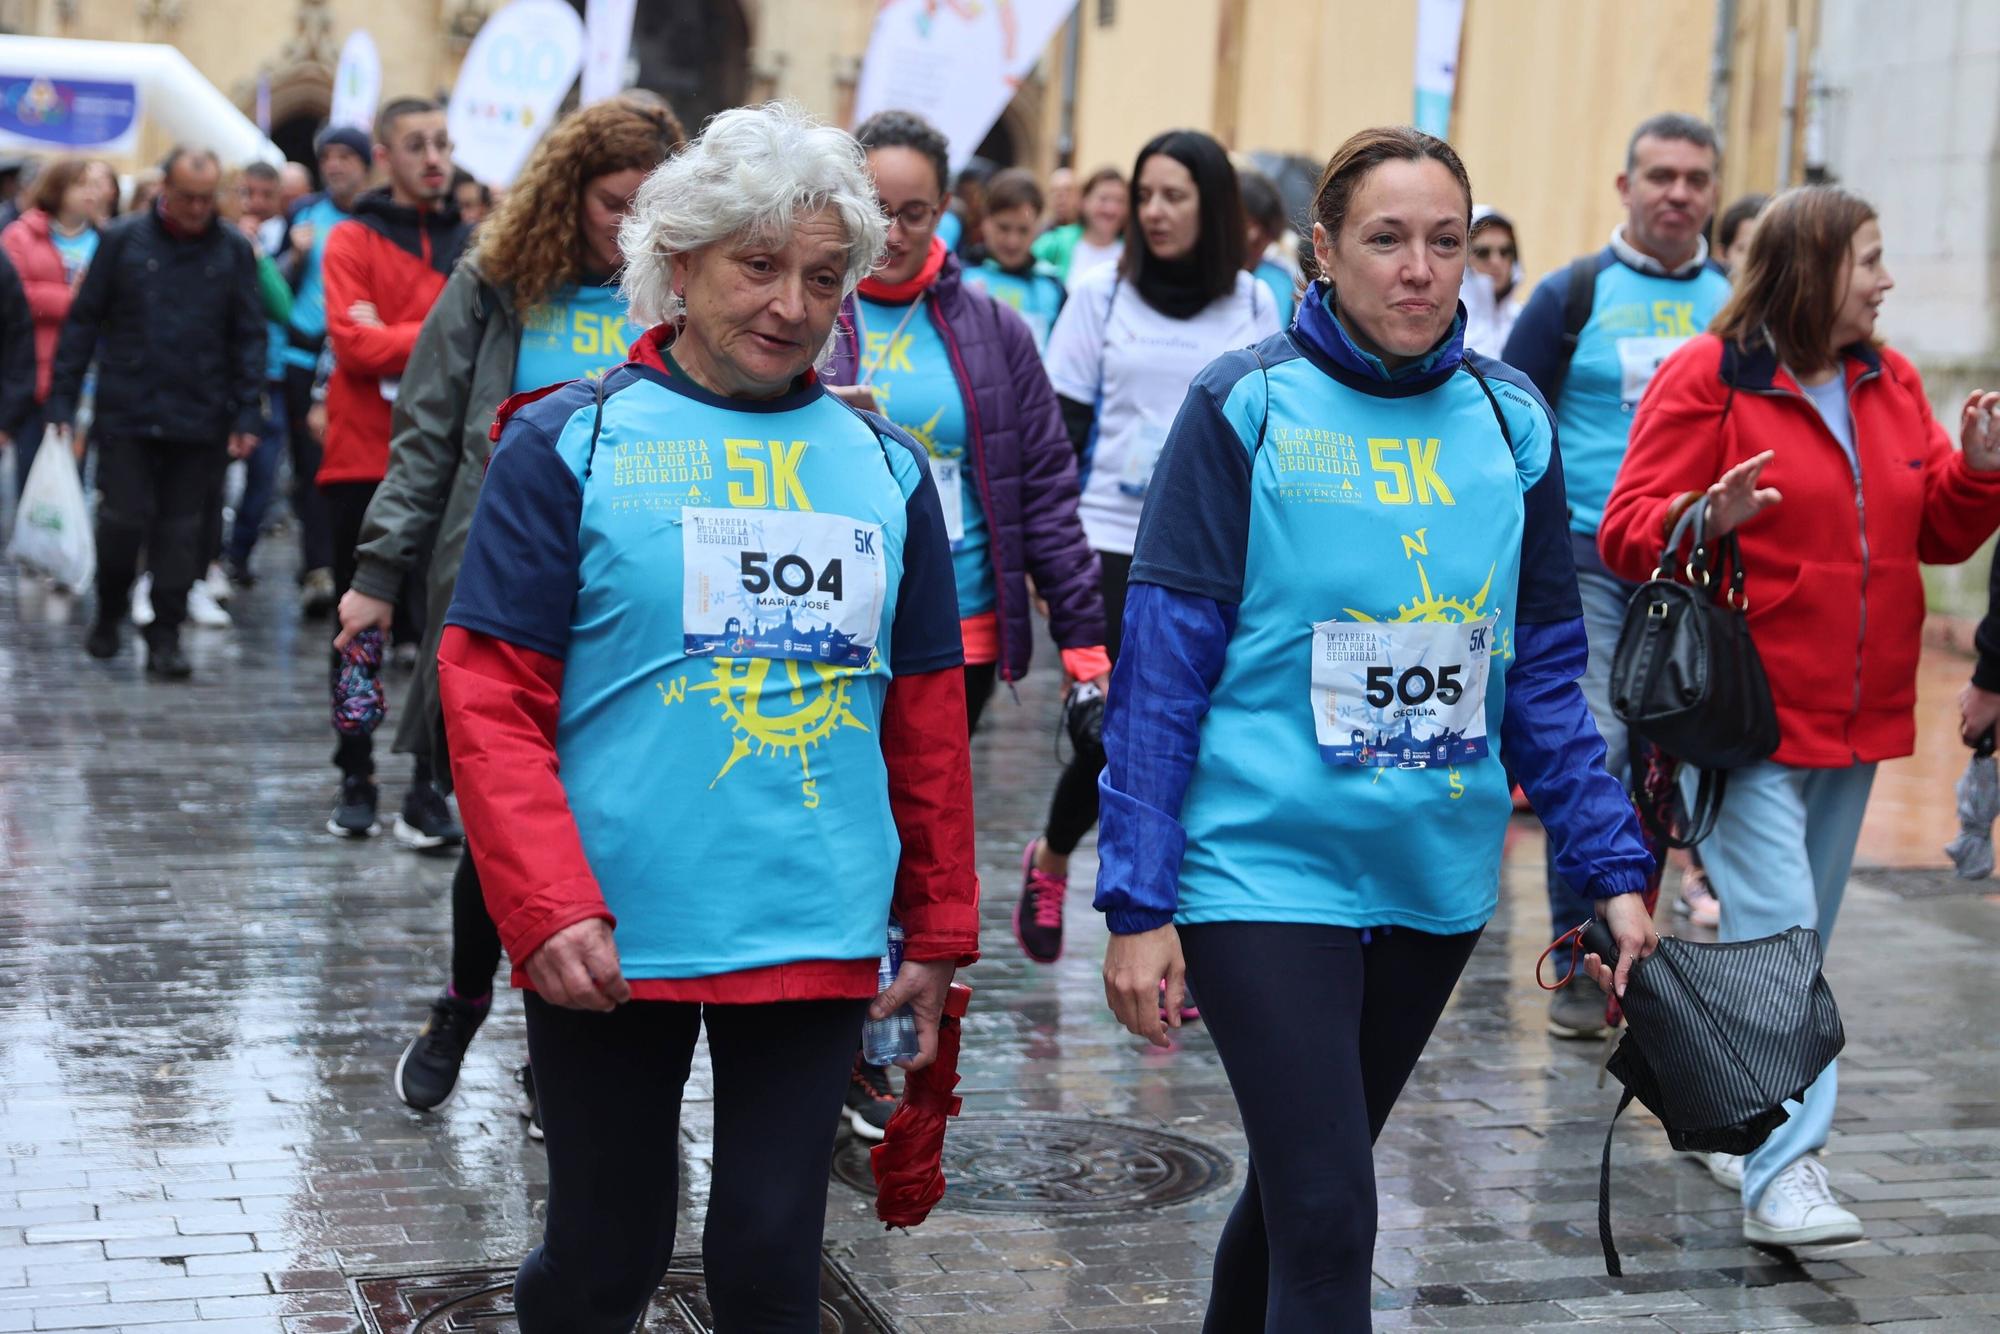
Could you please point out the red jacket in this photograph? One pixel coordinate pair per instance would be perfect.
(398, 259)
(1836, 600)
(45, 279)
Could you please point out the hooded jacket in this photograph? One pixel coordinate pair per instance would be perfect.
(1836, 596)
(1021, 463)
(397, 258)
(31, 245)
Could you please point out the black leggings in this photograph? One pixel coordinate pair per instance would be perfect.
(475, 942)
(1073, 810)
(609, 1087)
(1317, 1028)
(980, 680)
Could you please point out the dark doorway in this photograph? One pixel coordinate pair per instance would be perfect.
(694, 53)
(998, 146)
(294, 138)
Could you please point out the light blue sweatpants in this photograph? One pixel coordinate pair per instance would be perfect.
(1779, 858)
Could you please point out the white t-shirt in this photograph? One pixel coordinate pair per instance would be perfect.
(1137, 372)
(1086, 255)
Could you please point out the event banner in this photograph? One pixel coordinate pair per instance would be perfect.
(955, 62)
(609, 25)
(68, 115)
(521, 64)
(1438, 26)
(357, 84)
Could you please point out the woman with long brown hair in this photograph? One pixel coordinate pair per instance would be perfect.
(1790, 425)
(1307, 788)
(534, 304)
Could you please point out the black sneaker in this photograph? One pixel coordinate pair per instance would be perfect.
(104, 640)
(167, 661)
(1038, 917)
(354, 815)
(531, 1107)
(870, 1104)
(427, 822)
(428, 1070)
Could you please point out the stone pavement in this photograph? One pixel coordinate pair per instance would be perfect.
(202, 995)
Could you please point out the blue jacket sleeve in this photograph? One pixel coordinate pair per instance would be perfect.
(1554, 751)
(1535, 346)
(1174, 645)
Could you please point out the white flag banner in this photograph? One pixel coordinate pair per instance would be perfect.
(521, 64)
(1438, 25)
(955, 65)
(609, 48)
(357, 83)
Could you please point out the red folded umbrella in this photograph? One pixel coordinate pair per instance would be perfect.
(909, 1162)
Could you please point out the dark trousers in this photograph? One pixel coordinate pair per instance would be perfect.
(260, 481)
(1073, 809)
(345, 504)
(1317, 1028)
(609, 1087)
(315, 541)
(27, 440)
(475, 941)
(980, 679)
(154, 498)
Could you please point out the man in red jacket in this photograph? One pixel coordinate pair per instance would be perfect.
(383, 269)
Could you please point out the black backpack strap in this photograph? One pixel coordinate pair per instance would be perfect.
(1611, 1263)
(1579, 295)
(1493, 403)
(597, 389)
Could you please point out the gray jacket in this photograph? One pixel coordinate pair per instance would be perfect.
(459, 373)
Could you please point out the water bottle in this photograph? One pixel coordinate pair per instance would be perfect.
(886, 1041)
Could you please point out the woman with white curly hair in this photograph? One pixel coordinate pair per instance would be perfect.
(702, 674)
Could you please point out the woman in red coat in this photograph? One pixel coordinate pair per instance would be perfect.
(1795, 428)
(51, 245)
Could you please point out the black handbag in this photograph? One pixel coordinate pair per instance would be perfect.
(1686, 676)
(1719, 1036)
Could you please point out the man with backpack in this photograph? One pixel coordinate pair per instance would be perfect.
(1591, 338)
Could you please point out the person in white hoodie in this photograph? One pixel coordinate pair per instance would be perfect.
(1492, 291)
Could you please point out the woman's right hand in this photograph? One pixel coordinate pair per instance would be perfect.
(1737, 499)
(1133, 968)
(577, 968)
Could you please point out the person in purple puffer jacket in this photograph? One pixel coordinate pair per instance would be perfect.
(959, 372)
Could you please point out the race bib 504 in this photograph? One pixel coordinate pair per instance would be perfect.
(1408, 695)
(777, 584)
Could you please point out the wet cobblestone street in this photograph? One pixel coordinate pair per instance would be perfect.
(202, 995)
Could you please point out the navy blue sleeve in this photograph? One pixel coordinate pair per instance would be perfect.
(925, 637)
(518, 580)
(1175, 643)
(1535, 346)
(1552, 747)
(1195, 528)
(1548, 569)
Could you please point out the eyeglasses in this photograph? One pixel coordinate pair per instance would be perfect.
(915, 215)
(1490, 251)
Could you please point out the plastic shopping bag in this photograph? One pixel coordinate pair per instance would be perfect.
(51, 525)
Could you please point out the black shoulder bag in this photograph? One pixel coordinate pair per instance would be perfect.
(1686, 676)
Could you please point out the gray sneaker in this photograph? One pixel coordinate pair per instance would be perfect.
(1577, 1011)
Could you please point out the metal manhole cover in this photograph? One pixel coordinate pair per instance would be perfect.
(481, 1301)
(1057, 1165)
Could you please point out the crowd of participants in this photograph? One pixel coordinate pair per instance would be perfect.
(727, 476)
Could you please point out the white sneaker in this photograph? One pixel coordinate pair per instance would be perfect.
(1798, 1209)
(217, 583)
(204, 610)
(142, 601)
(1726, 1168)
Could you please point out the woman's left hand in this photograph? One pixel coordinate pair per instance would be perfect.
(1979, 432)
(921, 985)
(1632, 927)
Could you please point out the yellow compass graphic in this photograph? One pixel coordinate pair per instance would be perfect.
(760, 721)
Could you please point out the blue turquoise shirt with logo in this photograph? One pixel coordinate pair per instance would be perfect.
(76, 251)
(309, 299)
(730, 584)
(579, 333)
(1282, 286)
(1036, 296)
(1303, 489)
(1637, 320)
(916, 388)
